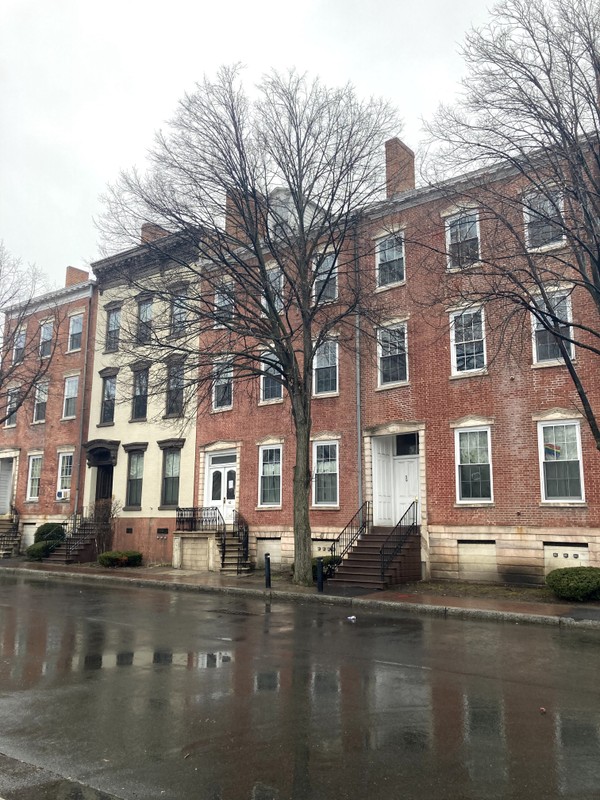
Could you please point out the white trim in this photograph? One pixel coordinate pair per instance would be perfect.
(333, 392)
(398, 235)
(562, 293)
(568, 501)
(261, 450)
(70, 397)
(392, 326)
(470, 501)
(316, 445)
(69, 334)
(30, 458)
(455, 372)
(65, 493)
(224, 374)
(528, 213)
(332, 275)
(448, 220)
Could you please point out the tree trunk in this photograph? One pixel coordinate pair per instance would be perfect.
(302, 537)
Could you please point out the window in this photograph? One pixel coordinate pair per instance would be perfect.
(113, 329)
(34, 474)
(224, 303)
(274, 290)
(12, 403)
(144, 320)
(555, 312)
(75, 331)
(270, 476)
(326, 368)
(462, 239)
(70, 398)
(325, 466)
(390, 260)
(40, 402)
(139, 403)
(174, 389)
(178, 314)
(46, 330)
(325, 279)
(170, 484)
(270, 384)
(65, 473)
(223, 386)
(467, 341)
(543, 219)
(109, 393)
(560, 461)
(393, 366)
(473, 465)
(135, 472)
(19, 345)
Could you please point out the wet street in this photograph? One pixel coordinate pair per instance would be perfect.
(140, 693)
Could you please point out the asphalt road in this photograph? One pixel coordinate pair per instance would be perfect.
(135, 693)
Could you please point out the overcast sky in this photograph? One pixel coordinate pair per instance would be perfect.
(83, 87)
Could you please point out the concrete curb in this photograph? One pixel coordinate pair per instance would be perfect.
(285, 595)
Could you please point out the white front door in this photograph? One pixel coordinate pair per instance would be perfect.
(221, 483)
(383, 499)
(406, 484)
(6, 479)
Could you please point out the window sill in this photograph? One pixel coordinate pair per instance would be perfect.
(386, 286)
(220, 410)
(68, 419)
(75, 350)
(455, 270)
(268, 508)
(475, 504)
(325, 394)
(110, 352)
(273, 402)
(396, 385)
(105, 424)
(563, 504)
(132, 508)
(139, 419)
(38, 422)
(168, 508)
(472, 373)
(10, 427)
(165, 416)
(547, 248)
(32, 501)
(325, 508)
(552, 362)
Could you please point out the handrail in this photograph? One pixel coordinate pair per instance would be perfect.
(241, 531)
(359, 524)
(199, 518)
(398, 537)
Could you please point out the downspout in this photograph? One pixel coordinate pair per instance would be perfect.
(83, 399)
(359, 448)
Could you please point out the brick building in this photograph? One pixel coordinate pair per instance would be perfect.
(40, 443)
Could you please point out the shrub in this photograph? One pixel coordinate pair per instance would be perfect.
(575, 583)
(117, 558)
(49, 532)
(328, 561)
(39, 550)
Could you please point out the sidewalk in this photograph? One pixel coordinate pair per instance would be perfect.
(396, 600)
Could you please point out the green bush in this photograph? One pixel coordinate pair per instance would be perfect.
(39, 550)
(49, 532)
(575, 583)
(117, 558)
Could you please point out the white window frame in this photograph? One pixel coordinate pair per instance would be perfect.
(69, 395)
(529, 214)
(449, 222)
(40, 397)
(453, 344)
(223, 374)
(317, 354)
(19, 344)
(396, 237)
(470, 501)
(46, 335)
(398, 326)
(264, 373)
(276, 285)
(64, 477)
(75, 333)
(561, 294)
(12, 400)
(33, 498)
(224, 299)
(331, 277)
(315, 462)
(113, 334)
(261, 474)
(541, 455)
(145, 315)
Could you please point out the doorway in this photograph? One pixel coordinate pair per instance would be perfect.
(395, 476)
(6, 483)
(221, 483)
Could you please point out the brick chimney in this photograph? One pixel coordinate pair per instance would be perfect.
(75, 276)
(399, 167)
(151, 231)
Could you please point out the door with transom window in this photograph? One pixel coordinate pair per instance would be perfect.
(221, 483)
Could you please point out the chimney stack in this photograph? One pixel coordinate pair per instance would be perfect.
(151, 231)
(75, 276)
(399, 167)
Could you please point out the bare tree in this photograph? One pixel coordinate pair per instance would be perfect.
(25, 359)
(261, 196)
(526, 131)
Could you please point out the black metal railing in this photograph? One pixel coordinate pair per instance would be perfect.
(359, 524)
(241, 532)
(200, 518)
(80, 531)
(398, 537)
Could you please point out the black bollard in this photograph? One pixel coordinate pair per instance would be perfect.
(319, 574)
(267, 570)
